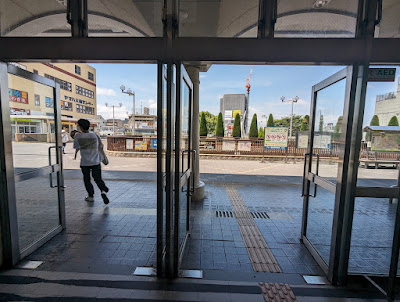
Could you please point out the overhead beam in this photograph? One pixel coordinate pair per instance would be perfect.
(204, 50)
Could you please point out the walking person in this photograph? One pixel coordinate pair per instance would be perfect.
(64, 139)
(89, 144)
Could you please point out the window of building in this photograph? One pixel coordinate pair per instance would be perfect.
(77, 69)
(37, 100)
(66, 105)
(35, 71)
(84, 109)
(84, 92)
(63, 84)
(90, 76)
(49, 102)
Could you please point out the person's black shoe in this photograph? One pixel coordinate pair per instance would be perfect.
(105, 198)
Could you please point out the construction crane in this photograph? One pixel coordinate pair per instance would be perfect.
(248, 81)
(248, 95)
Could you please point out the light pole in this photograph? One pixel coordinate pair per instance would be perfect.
(130, 92)
(294, 100)
(266, 121)
(113, 106)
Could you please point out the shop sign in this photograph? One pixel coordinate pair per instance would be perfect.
(236, 112)
(18, 96)
(244, 146)
(129, 144)
(144, 126)
(228, 145)
(228, 114)
(18, 111)
(275, 138)
(381, 74)
(154, 143)
(140, 145)
(83, 102)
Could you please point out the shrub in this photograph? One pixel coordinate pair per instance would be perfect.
(220, 126)
(253, 127)
(237, 132)
(203, 125)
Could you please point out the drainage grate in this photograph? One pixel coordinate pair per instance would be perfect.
(260, 215)
(224, 214)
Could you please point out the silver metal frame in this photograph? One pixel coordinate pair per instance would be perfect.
(8, 211)
(338, 188)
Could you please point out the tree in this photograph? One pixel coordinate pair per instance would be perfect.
(261, 132)
(270, 122)
(285, 122)
(219, 131)
(211, 121)
(304, 123)
(203, 125)
(253, 133)
(338, 128)
(375, 121)
(393, 121)
(321, 123)
(237, 132)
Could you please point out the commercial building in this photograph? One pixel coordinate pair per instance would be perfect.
(145, 124)
(31, 104)
(388, 105)
(230, 105)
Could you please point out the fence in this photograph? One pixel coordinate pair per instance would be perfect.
(231, 146)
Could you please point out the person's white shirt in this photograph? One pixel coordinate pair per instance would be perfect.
(88, 145)
(64, 137)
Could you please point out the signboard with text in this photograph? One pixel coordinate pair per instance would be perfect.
(228, 146)
(228, 114)
(244, 146)
(236, 112)
(384, 141)
(129, 144)
(381, 74)
(275, 138)
(19, 111)
(140, 145)
(18, 96)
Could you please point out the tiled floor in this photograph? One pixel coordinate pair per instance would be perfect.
(122, 235)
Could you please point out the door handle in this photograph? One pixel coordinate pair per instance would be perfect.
(304, 174)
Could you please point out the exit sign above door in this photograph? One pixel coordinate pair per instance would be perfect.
(381, 74)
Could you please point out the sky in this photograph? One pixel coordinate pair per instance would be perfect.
(268, 84)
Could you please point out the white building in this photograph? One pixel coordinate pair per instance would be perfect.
(388, 105)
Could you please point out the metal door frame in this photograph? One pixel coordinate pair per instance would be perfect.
(341, 187)
(182, 78)
(8, 210)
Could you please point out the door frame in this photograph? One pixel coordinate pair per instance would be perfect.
(341, 188)
(8, 211)
(182, 78)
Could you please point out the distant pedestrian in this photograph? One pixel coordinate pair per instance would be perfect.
(64, 139)
(91, 157)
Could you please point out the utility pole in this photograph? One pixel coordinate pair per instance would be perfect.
(113, 107)
(130, 92)
(294, 100)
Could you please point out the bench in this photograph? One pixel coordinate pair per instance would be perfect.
(375, 161)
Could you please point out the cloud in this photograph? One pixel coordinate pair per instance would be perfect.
(105, 91)
(152, 104)
(107, 112)
(202, 76)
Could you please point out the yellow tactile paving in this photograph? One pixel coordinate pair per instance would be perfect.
(259, 253)
(277, 292)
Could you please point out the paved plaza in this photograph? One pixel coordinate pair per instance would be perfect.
(122, 235)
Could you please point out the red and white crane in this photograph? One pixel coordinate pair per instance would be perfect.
(248, 96)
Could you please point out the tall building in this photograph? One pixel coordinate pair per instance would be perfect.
(31, 103)
(230, 105)
(388, 105)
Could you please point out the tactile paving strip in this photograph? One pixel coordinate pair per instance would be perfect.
(260, 255)
(277, 292)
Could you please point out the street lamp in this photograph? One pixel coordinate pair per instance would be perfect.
(266, 121)
(130, 92)
(113, 106)
(294, 100)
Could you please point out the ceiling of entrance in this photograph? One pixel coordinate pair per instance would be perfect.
(198, 18)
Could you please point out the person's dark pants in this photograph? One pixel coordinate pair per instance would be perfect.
(96, 173)
(63, 147)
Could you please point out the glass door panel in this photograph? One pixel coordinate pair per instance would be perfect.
(182, 161)
(37, 161)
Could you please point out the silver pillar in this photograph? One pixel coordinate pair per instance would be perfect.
(193, 72)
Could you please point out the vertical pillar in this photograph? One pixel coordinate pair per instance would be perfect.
(193, 72)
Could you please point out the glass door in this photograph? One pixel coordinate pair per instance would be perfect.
(325, 162)
(183, 155)
(37, 162)
(174, 158)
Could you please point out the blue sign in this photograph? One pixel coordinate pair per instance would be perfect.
(154, 143)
